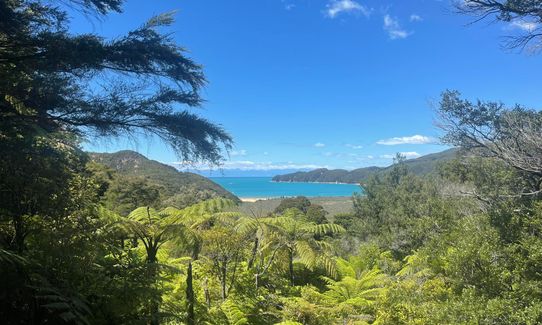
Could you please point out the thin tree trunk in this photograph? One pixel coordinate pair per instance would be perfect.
(154, 305)
(253, 254)
(223, 281)
(291, 266)
(18, 225)
(191, 319)
(207, 294)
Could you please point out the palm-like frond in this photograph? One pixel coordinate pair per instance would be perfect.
(415, 266)
(345, 268)
(246, 225)
(144, 215)
(307, 254)
(70, 309)
(7, 257)
(323, 229)
(328, 263)
(234, 314)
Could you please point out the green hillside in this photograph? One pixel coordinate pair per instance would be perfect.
(173, 182)
(419, 166)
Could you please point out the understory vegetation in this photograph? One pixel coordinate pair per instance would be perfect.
(81, 244)
(415, 251)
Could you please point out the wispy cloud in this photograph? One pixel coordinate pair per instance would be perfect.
(249, 165)
(406, 154)
(241, 152)
(288, 5)
(353, 146)
(337, 7)
(526, 26)
(415, 18)
(392, 26)
(415, 139)
(319, 145)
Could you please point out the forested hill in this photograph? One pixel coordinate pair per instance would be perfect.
(419, 166)
(173, 182)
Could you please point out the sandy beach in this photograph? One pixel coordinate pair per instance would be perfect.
(254, 199)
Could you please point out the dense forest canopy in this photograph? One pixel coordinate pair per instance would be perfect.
(83, 241)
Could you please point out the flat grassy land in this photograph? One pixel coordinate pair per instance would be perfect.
(333, 205)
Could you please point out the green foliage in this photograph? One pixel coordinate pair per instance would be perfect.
(177, 189)
(127, 193)
(126, 240)
(300, 202)
(317, 214)
(143, 78)
(401, 212)
(415, 251)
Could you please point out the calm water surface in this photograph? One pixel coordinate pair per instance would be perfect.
(263, 187)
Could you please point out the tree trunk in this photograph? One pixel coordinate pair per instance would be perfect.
(207, 294)
(223, 282)
(191, 319)
(18, 225)
(253, 254)
(154, 305)
(291, 266)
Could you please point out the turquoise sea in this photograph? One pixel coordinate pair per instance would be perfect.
(263, 187)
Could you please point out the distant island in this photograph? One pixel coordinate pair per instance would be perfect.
(419, 166)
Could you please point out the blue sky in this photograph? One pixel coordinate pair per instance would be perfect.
(302, 84)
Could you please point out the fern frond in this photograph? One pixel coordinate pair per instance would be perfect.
(306, 253)
(328, 263)
(233, 313)
(323, 229)
(7, 257)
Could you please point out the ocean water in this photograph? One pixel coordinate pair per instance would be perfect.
(263, 187)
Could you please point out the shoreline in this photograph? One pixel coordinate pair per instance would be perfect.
(255, 199)
(272, 181)
(339, 183)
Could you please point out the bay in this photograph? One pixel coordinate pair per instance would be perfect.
(263, 187)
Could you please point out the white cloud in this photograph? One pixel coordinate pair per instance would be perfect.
(319, 145)
(393, 28)
(524, 25)
(336, 7)
(354, 146)
(406, 154)
(415, 139)
(241, 152)
(265, 153)
(415, 17)
(248, 165)
(289, 6)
